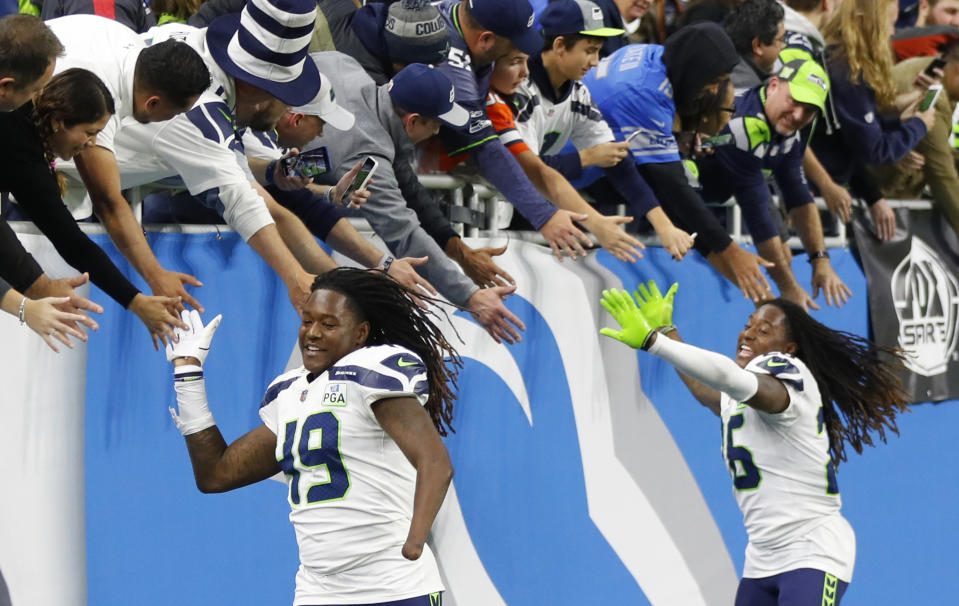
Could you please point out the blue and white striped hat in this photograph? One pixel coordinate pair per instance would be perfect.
(266, 45)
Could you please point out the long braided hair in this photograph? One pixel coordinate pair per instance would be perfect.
(396, 320)
(860, 390)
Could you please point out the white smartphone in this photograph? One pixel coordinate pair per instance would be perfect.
(930, 99)
(361, 180)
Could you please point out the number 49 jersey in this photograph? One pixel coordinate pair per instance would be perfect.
(350, 486)
(784, 479)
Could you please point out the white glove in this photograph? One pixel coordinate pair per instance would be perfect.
(195, 341)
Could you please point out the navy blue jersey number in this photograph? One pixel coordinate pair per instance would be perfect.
(832, 486)
(750, 477)
(324, 453)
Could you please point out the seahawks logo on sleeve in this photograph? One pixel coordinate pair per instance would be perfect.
(382, 369)
(778, 365)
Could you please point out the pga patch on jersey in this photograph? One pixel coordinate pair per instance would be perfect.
(334, 394)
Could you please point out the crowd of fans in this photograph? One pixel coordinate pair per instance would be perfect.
(569, 109)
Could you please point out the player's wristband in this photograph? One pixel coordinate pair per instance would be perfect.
(663, 330)
(194, 413)
(819, 254)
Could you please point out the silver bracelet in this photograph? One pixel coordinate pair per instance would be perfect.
(22, 311)
(329, 195)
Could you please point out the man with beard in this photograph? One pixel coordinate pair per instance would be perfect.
(145, 88)
(648, 91)
(766, 137)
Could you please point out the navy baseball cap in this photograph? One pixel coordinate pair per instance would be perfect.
(420, 89)
(511, 19)
(565, 17)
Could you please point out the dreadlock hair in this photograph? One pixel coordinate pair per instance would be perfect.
(396, 320)
(857, 379)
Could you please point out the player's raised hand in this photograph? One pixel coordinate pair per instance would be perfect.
(653, 305)
(194, 341)
(635, 326)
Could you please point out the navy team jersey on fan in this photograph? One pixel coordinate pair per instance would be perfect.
(784, 479)
(350, 487)
(471, 84)
(738, 169)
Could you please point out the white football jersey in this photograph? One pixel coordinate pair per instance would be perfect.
(546, 124)
(784, 479)
(350, 486)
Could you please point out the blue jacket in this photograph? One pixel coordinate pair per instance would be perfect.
(864, 135)
(737, 169)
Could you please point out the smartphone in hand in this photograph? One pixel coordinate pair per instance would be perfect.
(717, 141)
(937, 63)
(308, 164)
(361, 180)
(932, 93)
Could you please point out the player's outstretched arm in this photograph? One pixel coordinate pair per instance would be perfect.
(216, 466)
(715, 371)
(411, 428)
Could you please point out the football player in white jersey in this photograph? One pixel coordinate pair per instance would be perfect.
(356, 430)
(795, 393)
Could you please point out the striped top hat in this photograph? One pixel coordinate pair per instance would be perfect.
(266, 45)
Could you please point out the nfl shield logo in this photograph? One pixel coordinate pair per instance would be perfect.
(303, 395)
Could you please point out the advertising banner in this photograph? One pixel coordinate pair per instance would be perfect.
(914, 298)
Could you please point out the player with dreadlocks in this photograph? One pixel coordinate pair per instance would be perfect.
(356, 431)
(794, 394)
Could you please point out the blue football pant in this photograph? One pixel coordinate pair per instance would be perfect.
(433, 599)
(802, 587)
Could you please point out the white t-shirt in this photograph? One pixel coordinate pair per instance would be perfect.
(547, 125)
(350, 486)
(783, 478)
(109, 50)
(202, 146)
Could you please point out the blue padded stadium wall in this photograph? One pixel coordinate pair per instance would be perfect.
(153, 539)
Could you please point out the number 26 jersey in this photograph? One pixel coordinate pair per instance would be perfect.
(784, 479)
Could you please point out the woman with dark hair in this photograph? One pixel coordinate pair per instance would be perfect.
(794, 395)
(62, 120)
(356, 430)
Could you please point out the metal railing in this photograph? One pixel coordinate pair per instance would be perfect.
(477, 210)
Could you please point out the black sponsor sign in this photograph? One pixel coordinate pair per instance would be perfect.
(914, 298)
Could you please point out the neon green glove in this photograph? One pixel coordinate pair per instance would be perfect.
(635, 326)
(657, 308)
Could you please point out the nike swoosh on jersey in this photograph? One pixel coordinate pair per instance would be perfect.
(772, 364)
(404, 363)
